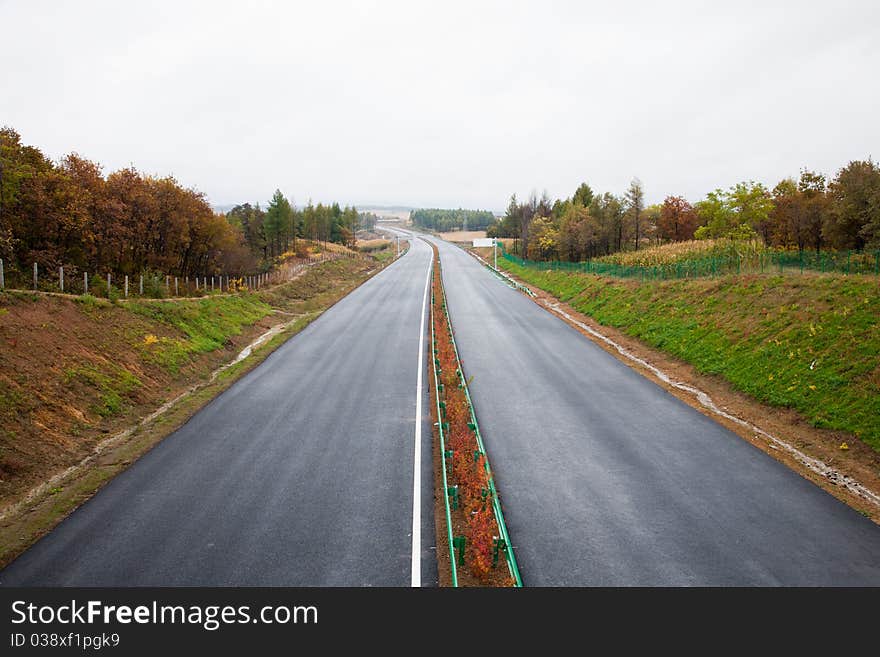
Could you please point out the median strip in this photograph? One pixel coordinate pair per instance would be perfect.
(479, 546)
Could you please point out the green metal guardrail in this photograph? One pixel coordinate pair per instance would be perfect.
(496, 503)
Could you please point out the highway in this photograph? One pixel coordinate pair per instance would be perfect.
(305, 472)
(606, 479)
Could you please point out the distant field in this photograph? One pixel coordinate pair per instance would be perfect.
(463, 235)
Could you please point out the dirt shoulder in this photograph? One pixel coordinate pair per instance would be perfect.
(856, 463)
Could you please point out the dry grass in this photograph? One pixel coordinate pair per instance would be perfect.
(463, 235)
(367, 246)
(668, 254)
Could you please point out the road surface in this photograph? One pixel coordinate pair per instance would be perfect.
(300, 474)
(607, 479)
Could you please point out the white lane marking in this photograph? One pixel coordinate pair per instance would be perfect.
(416, 573)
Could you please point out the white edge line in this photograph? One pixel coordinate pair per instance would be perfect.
(416, 573)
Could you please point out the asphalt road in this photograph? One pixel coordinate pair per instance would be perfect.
(607, 479)
(300, 474)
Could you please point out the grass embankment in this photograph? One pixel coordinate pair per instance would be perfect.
(806, 342)
(76, 370)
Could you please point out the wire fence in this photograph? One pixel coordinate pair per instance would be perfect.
(149, 284)
(844, 262)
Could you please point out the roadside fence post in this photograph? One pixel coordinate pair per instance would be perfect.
(35, 275)
(126, 286)
(61, 278)
(212, 283)
(141, 288)
(2, 279)
(109, 283)
(85, 282)
(176, 289)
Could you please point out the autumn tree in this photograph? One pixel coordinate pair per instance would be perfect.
(854, 217)
(677, 221)
(543, 239)
(577, 233)
(786, 217)
(812, 205)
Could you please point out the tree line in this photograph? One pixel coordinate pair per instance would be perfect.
(444, 221)
(69, 213)
(271, 232)
(810, 212)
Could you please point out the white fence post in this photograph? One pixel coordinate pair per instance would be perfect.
(61, 278)
(109, 283)
(85, 282)
(35, 275)
(142, 285)
(126, 286)
(176, 288)
(2, 279)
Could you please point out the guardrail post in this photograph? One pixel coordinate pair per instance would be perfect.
(500, 545)
(459, 543)
(452, 491)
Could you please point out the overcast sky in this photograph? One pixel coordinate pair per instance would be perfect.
(445, 103)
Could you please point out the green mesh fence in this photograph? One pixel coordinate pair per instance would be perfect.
(845, 262)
